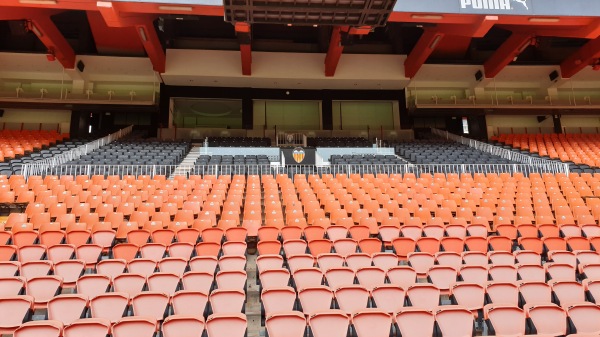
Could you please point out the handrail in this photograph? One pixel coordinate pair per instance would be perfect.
(77, 152)
(500, 152)
(273, 170)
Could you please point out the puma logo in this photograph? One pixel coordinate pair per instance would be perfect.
(522, 2)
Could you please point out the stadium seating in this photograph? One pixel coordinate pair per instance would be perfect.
(337, 255)
(339, 142)
(232, 160)
(579, 150)
(444, 152)
(365, 159)
(136, 153)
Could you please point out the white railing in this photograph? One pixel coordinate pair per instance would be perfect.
(502, 152)
(272, 170)
(75, 153)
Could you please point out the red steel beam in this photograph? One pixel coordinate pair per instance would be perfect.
(242, 30)
(334, 52)
(43, 27)
(144, 25)
(425, 46)
(585, 56)
(507, 52)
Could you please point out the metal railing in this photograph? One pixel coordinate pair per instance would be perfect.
(291, 170)
(76, 153)
(502, 152)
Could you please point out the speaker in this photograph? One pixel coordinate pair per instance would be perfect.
(541, 118)
(553, 76)
(479, 75)
(80, 66)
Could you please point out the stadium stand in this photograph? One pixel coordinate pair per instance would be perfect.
(131, 152)
(239, 142)
(444, 152)
(365, 159)
(579, 150)
(339, 142)
(15, 144)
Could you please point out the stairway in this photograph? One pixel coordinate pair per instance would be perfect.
(188, 162)
(253, 308)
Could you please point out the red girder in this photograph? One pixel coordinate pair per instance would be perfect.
(417, 57)
(585, 56)
(243, 31)
(507, 52)
(43, 27)
(334, 52)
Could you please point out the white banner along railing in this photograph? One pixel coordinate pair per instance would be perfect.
(385, 169)
(75, 153)
(500, 152)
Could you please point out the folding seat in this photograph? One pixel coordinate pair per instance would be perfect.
(150, 304)
(315, 299)
(225, 301)
(317, 247)
(502, 293)
(204, 263)
(307, 277)
(358, 260)
(443, 277)
(274, 300)
(476, 244)
(423, 296)
(110, 306)
(370, 246)
(285, 323)
(583, 318)
(166, 283)
(531, 273)
(468, 295)
(578, 243)
(125, 251)
(428, 245)
(500, 273)
(503, 258)
(33, 269)
(560, 272)
(475, 258)
(505, 320)
(500, 243)
(189, 303)
(385, 260)
(548, 319)
(421, 262)
(131, 284)
(527, 257)
(67, 308)
(43, 288)
(587, 257)
(412, 231)
(198, 281)
(208, 249)
(234, 248)
(453, 321)
(111, 267)
(415, 322)
(554, 243)
(293, 247)
(183, 326)
(403, 246)
(62, 252)
(535, 293)
(565, 293)
(345, 247)
(473, 274)
(274, 278)
(103, 235)
(269, 261)
(9, 268)
(69, 271)
(339, 276)
(332, 323)
(31, 253)
(370, 277)
(181, 250)
(266, 233)
(144, 267)
(135, 326)
(372, 322)
(268, 247)
(403, 276)
(563, 256)
(329, 260)
(433, 231)
(138, 237)
(335, 233)
(388, 297)
(456, 231)
(184, 235)
(92, 285)
(12, 286)
(46, 328)
(299, 261)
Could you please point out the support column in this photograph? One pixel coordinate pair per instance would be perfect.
(406, 121)
(557, 124)
(247, 111)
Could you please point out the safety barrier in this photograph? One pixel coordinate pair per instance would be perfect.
(75, 153)
(273, 170)
(502, 152)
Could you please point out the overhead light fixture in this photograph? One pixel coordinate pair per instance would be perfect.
(38, 2)
(104, 4)
(289, 24)
(435, 41)
(143, 34)
(176, 8)
(427, 16)
(544, 19)
(35, 30)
